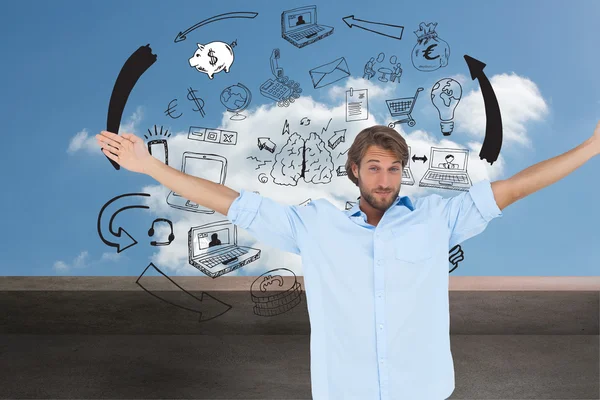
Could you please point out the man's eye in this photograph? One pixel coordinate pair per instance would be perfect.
(373, 168)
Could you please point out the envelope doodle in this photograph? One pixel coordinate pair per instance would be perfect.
(329, 73)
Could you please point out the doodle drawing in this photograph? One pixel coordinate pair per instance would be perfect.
(274, 294)
(214, 250)
(212, 58)
(447, 169)
(445, 96)
(403, 107)
(299, 26)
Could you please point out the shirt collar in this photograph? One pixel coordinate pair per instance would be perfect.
(400, 201)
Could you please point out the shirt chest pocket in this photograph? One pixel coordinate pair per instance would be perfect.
(413, 256)
(415, 244)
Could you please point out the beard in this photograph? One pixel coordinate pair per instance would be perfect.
(375, 200)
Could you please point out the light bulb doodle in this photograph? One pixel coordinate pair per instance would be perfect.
(445, 96)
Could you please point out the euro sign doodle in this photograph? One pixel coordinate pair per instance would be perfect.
(427, 52)
(213, 58)
(171, 109)
(192, 97)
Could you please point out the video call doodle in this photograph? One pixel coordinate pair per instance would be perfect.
(329, 73)
(447, 169)
(431, 52)
(208, 166)
(357, 105)
(213, 249)
(337, 138)
(267, 144)
(123, 242)
(206, 306)
(130, 73)
(380, 28)
(212, 58)
(299, 26)
(307, 159)
(181, 36)
(236, 98)
(274, 294)
(212, 135)
(492, 142)
(304, 121)
(197, 101)
(169, 239)
(445, 96)
(402, 107)
(283, 89)
(171, 109)
(456, 255)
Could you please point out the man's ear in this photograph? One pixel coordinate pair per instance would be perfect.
(355, 169)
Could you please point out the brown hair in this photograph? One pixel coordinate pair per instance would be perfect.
(377, 135)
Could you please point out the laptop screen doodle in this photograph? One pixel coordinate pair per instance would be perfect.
(299, 19)
(203, 168)
(449, 160)
(212, 239)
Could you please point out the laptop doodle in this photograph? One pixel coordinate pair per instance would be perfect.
(213, 249)
(407, 175)
(447, 169)
(299, 26)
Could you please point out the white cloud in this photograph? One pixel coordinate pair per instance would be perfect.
(242, 173)
(82, 140)
(520, 103)
(83, 261)
(243, 169)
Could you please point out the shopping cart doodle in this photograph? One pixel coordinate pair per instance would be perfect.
(402, 107)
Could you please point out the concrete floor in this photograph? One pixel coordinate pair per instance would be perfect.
(125, 343)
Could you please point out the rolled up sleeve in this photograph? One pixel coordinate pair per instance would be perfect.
(268, 221)
(469, 213)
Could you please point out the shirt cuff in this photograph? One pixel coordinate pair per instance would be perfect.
(484, 200)
(244, 208)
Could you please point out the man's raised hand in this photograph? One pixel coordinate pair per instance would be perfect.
(128, 150)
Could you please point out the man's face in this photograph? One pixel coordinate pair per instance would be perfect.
(379, 177)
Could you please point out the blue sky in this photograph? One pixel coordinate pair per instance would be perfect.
(62, 59)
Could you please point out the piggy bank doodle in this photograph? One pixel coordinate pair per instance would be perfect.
(213, 57)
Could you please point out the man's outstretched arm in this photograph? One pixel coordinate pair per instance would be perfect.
(545, 173)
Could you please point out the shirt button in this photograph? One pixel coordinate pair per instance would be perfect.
(380, 326)
(379, 295)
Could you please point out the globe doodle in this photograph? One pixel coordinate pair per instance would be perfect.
(236, 98)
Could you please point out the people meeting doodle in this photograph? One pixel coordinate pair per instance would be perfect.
(376, 275)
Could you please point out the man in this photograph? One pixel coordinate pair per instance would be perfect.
(448, 164)
(376, 276)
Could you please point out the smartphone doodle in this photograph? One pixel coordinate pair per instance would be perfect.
(159, 149)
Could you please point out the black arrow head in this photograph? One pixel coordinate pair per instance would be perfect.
(180, 37)
(475, 66)
(345, 19)
(424, 159)
(413, 158)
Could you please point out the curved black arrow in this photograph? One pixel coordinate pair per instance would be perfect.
(493, 119)
(181, 36)
(132, 241)
(132, 70)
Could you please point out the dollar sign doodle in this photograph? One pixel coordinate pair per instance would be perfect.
(213, 58)
(192, 97)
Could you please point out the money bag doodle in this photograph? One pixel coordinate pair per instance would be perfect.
(430, 52)
(213, 57)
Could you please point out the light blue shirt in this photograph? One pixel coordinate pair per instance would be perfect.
(377, 297)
